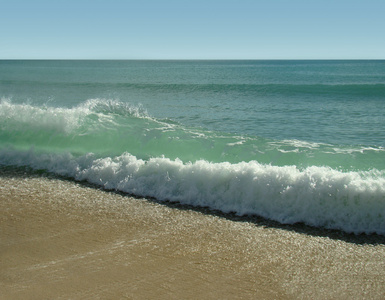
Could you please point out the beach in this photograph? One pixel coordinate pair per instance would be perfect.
(62, 239)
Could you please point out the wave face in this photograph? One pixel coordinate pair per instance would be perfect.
(119, 146)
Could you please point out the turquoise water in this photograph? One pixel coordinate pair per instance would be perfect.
(293, 141)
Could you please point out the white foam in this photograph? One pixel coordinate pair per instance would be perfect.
(65, 119)
(317, 196)
(25, 115)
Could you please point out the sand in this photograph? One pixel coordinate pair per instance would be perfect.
(65, 240)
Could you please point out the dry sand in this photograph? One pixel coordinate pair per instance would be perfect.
(64, 240)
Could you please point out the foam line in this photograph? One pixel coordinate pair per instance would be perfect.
(318, 196)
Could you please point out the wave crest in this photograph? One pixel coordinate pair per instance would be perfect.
(111, 106)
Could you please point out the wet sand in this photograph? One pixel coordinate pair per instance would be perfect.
(64, 240)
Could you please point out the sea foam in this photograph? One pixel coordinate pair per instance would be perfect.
(317, 196)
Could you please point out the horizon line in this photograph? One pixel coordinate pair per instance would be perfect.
(198, 59)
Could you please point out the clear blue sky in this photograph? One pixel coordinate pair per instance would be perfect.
(194, 29)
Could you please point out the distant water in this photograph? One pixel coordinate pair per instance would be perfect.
(292, 141)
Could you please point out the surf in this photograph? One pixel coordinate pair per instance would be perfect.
(119, 146)
(317, 196)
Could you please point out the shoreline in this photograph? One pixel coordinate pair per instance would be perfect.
(362, 238)
(64, 239)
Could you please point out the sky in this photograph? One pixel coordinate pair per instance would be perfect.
(192, 29)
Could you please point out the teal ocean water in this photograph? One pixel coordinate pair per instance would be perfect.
(291, 141)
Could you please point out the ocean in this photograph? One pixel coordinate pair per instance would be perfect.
(290, 141)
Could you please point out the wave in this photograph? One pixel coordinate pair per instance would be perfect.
(110, 128)
(317, 196)
(119, 146)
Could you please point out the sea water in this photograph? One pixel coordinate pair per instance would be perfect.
(291, 141)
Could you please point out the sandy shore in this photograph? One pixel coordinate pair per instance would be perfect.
(64, 240)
